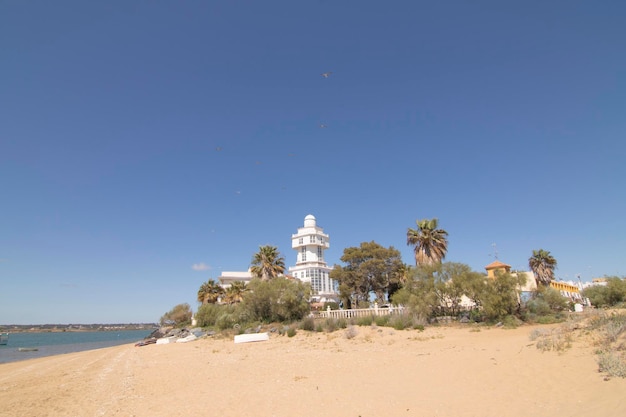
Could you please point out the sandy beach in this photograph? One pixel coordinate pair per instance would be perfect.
(442, 371)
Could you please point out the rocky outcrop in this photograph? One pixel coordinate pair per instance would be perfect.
(175, 333)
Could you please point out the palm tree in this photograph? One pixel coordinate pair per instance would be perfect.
(431, 244)
(543, 265)
(210, 292)
(234, 293)
(267, 263)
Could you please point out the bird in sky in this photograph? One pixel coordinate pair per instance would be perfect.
(322, 125)
(326, 74)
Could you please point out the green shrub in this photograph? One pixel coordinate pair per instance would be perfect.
(342, 323)
(276, 300)
(333, 305)
(331, 325)
(365, 321)
(476, 316)
(609, 295)
(308, 324)
(549, 319)
(538, 307)
(178, 316)
(291, 332)
(382, 320)
(226, 320)
(404, 321)
(511, 322)
(207, 314)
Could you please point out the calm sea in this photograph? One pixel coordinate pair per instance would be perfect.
(56, 343)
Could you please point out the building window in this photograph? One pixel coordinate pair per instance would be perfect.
(316, 282)
(320, 254)
(303, 253)
(301, 241)
(312, 239)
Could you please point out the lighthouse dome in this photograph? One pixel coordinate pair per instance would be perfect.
(309, 221)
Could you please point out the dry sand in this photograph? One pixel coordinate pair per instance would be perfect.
(442, 371)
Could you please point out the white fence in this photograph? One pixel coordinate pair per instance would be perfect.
(360, 312)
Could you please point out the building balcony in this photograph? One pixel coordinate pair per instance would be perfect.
(295, 244)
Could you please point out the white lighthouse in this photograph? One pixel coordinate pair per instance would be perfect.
(310, 242)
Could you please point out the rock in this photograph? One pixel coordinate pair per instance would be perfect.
(158, 333)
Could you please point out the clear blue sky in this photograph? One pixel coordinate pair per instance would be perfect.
(141, 138)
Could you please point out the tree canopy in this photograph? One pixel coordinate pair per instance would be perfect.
(543, 265)
(277, 300)
(210, 292)
(369, 268)
(430, 243)
(178, 316)
(267, 263)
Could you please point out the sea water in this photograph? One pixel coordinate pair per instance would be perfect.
(56, 343)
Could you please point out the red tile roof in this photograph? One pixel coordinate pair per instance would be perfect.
(497, 264)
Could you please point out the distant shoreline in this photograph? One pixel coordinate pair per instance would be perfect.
(61, 328)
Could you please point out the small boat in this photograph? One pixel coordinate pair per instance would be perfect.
(4, 338)
(27, 349)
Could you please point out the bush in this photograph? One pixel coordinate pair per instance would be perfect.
(331, 325)
(557, 340)
(612, 364)
(511, 322)
(276, 300)
(475, 315)
(405, 321)
(291, 332)
(351, 332)
(226, 320)
(382, 320)
(308, 324)
(553, 298)
(365, 321)
(333, 305)
(500, 297)
(538, 307)
(549, 319)
(207, 314)
(178, 316)
(612, 294)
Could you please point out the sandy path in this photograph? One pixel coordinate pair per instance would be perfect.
(442, 371)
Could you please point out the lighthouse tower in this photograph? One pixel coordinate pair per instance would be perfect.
(310, 242)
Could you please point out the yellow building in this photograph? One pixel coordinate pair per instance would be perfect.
(497, 267)
(566, 289)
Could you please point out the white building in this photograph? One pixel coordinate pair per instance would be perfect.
(310, 242)
(229, 277)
